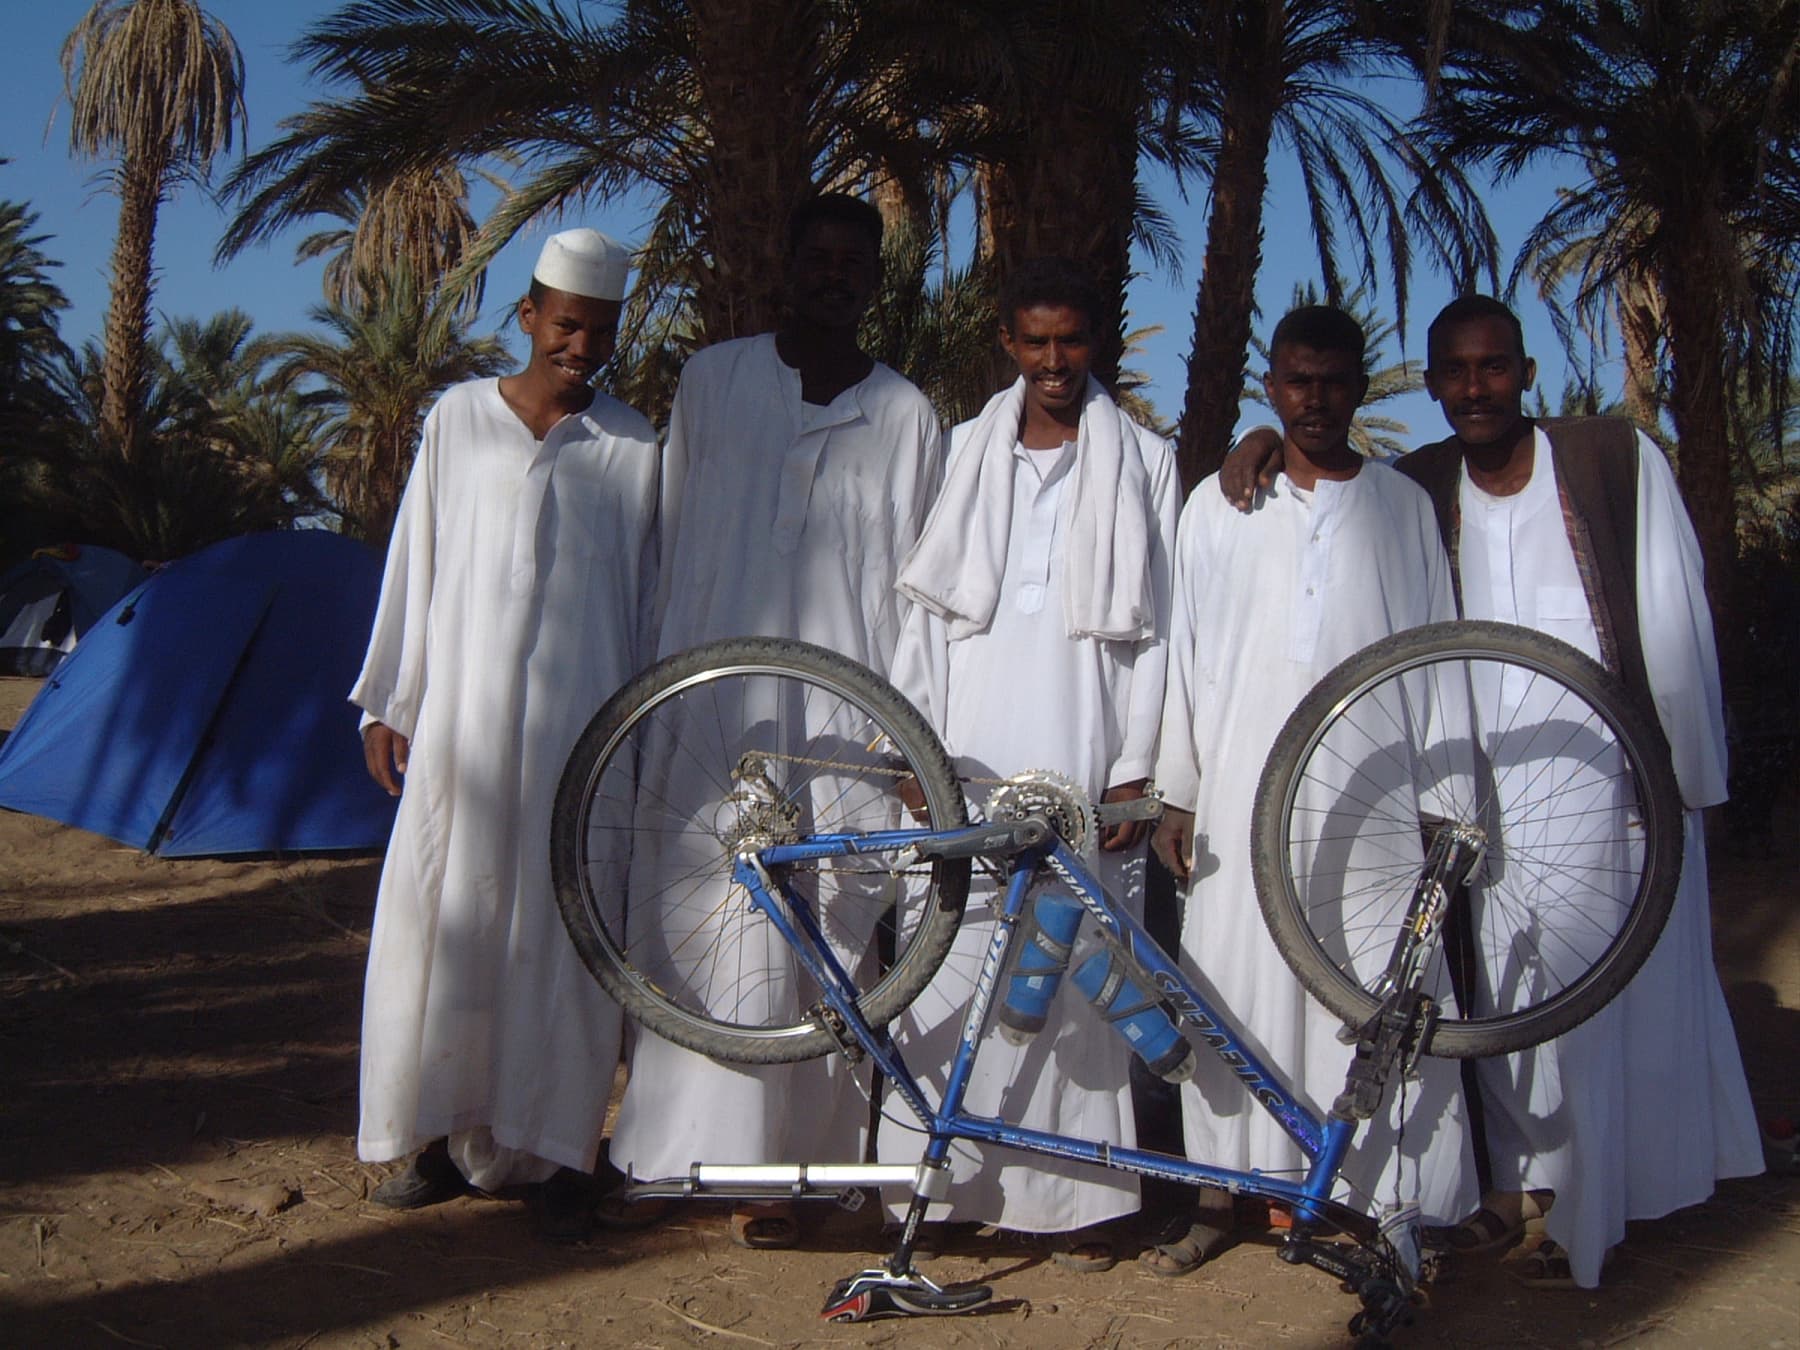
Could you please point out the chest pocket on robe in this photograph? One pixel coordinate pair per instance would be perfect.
(853, 523)
(1562, 612)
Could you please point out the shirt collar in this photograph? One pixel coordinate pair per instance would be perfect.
(1047, 465)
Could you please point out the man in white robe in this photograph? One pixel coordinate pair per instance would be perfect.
(517, 595)
(1038, 641)
(1642, 1109)
(1638, 1111)
(1337, 553)
(796, 474)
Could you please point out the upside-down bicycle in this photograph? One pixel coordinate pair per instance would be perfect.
(1466, 840)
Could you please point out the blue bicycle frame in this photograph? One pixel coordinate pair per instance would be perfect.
(1325, 1142)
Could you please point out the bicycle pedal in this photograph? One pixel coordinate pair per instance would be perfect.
(873, 1294)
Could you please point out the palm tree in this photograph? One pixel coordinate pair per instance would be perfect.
(417, 221)
(1128, 389)
(733, 109)
(1296, 75)
(1686, 117)
(221, 396)
(375, 369)
(158, 84)
(207, 465)
(1629, 305)
(1052, 108)
(30, 306)
(941, 334)
(30, 348)
(1765, 439)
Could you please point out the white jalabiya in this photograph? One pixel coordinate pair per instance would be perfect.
(516, 598)
(1265, 605)
(785, 519)
(1638, 1111)
(1022, 694)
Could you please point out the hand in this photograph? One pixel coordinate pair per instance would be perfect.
(1254, 463)
(385, 752)
(1173, 842)
(1127, 833)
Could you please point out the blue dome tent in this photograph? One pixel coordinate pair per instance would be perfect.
(205, 713)
(51, 599)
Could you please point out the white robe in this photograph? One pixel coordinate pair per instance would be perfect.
(1021, 694)
(779, 519)
(516, 598)
(1639, 1110)
(1265, 605)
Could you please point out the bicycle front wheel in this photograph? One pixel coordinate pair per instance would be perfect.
(1514, 733)
(721, 750)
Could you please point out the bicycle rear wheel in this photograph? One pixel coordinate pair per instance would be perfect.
(1498, 727)
(722, 749)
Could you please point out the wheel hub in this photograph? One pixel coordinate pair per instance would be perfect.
(758, 816)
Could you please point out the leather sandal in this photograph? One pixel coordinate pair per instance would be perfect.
(429, 1179)
(765, 1227)
(1486, 1230)
(1083, 1251)
(1185, 1246)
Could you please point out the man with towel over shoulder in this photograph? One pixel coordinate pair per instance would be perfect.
(1037, 640)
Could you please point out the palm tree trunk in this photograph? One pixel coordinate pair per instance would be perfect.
(983, 189)
(1072, 195)
(1697, 402)
(896, 211)
(757, 61)
(1639, 326)
(1227, 293)
(127, 334)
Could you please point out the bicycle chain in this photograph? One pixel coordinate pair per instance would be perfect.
(815, 763)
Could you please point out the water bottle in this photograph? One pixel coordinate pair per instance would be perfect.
(1136, 1016)
(1043, 956)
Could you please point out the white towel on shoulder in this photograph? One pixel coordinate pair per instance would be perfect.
(954, 569)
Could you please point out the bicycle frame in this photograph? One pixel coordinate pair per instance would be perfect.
(1383, 1266)
(1325, 1142)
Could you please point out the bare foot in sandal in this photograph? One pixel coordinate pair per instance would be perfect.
(1086, 1250)
(1505, 1217)
(1546, 1267)
(1188, 1243)
(614, 1211)
(768, 1226)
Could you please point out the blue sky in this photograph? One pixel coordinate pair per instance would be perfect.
(78, 213)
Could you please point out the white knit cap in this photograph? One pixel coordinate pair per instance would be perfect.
(584, 262)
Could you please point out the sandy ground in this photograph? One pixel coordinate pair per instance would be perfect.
(178, 1052)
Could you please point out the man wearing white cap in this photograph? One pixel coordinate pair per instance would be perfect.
(517, 597)
(796, 475)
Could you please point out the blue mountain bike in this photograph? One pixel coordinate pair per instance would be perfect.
(1466, 840)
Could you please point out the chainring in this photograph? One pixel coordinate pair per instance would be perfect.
(1044, 792)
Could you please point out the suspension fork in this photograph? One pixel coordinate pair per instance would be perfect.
(1401, 1028)
(1453, 852)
